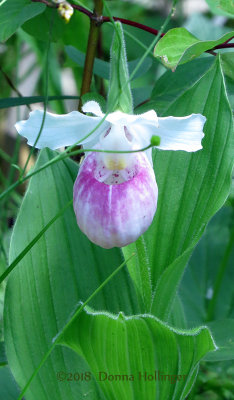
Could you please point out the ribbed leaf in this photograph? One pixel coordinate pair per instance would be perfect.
(138, 357)
(192, 187)
(172, 85)
(59, 271)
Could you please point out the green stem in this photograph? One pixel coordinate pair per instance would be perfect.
(91, 50)
(219, 277)
(75, 315)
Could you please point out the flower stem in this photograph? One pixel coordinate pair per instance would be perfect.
(91, 49)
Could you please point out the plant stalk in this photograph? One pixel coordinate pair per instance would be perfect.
(91, 49)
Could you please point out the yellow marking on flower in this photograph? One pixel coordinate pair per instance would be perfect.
(116, 164)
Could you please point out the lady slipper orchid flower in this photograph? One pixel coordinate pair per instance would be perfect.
(115, 194)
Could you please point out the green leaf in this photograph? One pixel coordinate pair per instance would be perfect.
(8, 387)
(179, 46)
(222, 331)
(192, 186)
(119, 95)
(230, 91)
(3, 359)
(139, 269)
(75, 33)
(19, 101)
(14, 13)
(172, 85)
(137, 350)
(96, 97)
(227, 60)
(222, 7)
(62, 269)
(102, 68)
(227, 6)
(197, 286)
(210, 267)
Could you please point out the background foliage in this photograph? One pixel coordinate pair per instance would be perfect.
(183, 270)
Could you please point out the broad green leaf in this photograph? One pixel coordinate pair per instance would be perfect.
(102, 68)
(230, 91)
(227, 60)
(19, 101)
(119, 94)
(208, 280)
(8, 387)
(75, 33)
(139, 269)
(192, 187)
(214, 252)
(3, 359)
(179, 46)
(62, 269)
(172, 85)
(223, 7)
(137, 350)
(222, 331)
(14, 13)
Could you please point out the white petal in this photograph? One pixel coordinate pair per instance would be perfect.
(184, 133)
(121, 118)
(116, 139)
(60, 130)
(93, 107)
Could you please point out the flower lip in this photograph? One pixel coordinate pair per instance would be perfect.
(114, 215)
(113, 176)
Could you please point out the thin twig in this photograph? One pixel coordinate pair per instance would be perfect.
(11, 84)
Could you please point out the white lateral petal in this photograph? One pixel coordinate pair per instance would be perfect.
(60, 130)
(184, 133)
(142, 131)
(93, 107)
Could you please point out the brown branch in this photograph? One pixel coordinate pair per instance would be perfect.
(99, 20)
(135, 24)
(91, 50)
